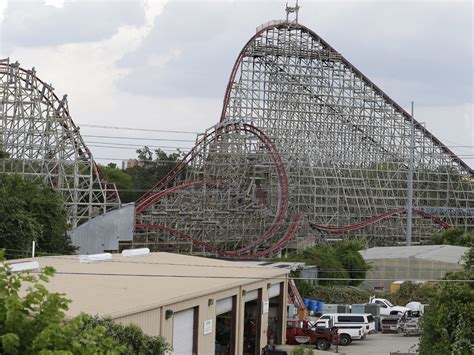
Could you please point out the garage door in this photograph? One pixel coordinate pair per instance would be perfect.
(274, 291)
(183, 332)
(224, 306)
(251, 295)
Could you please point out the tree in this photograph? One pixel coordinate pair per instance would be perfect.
(448, 323)
(454, 236)
(329, 264)
(347, 252)
(122, 181)
(149, 171)
(341, 261)
(30, 211)
(34, 323)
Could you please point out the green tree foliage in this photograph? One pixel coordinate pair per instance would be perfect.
(301, 350)
(410, 292)
(33, 323)
(448, 323)
(326, 258)
(338, 294)
(30, 211)
(150, 171)
(339, 261)
(454, 236)
(3, 154)
(122, 181)
(347, 252)
(151, 167)
(130, 335)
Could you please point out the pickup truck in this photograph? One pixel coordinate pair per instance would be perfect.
(300, 332)
(346, 333)
(387, 308)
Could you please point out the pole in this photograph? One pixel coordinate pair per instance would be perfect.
(33, 249)
(410, 178)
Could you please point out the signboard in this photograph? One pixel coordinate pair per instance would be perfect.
(208, 326)
(265, 306)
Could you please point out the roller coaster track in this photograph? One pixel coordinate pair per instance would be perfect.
(290, 89)
(150, 198)
(378, 218)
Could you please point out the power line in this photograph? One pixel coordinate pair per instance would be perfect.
(138, 129)
(245, 277)
(141, 138)
(193, 140)
(141, 262)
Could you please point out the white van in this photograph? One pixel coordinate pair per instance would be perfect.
(356, 320)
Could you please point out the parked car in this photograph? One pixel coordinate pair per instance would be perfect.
(300, 332)
(356, 320)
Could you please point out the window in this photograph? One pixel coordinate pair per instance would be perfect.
(383, 305)
(370, 319)
(325, 317)
(350, 319)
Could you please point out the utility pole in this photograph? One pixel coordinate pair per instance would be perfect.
(410, 177)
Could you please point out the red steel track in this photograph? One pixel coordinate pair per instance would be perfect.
(377, 218)
(151, 197)
(162, 189)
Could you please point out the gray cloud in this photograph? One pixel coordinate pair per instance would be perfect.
(426, 45)
(208, 37)
(32, 24)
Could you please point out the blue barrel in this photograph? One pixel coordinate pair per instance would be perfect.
(313, 305)
(306, 302)
(320, 307)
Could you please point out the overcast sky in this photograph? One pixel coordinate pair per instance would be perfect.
(165, 64)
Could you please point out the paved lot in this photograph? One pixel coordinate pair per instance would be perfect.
(381, 344)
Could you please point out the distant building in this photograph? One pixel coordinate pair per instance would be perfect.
(426, 262)
(130, 163)
(198, 304)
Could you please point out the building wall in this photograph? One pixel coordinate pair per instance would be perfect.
(105, 231)
(407, 268)
(148, 321)
(153, 322)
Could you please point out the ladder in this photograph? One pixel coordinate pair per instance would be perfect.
(298, 300)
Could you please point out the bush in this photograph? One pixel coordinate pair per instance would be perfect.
(448, 323)
(341, 261)
(339, 294)
(34, 323)
(301, 350)
(131, 336)
(454, 236)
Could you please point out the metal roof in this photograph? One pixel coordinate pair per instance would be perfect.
(127, 285)
(443, 253)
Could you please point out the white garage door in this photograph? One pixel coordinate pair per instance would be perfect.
(224, 306)
(274, 291)
(251, 295)
(183, 331)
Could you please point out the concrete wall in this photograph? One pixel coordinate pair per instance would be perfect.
(105, 231)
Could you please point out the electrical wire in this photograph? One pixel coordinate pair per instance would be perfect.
(139, 129)
(141, 262)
